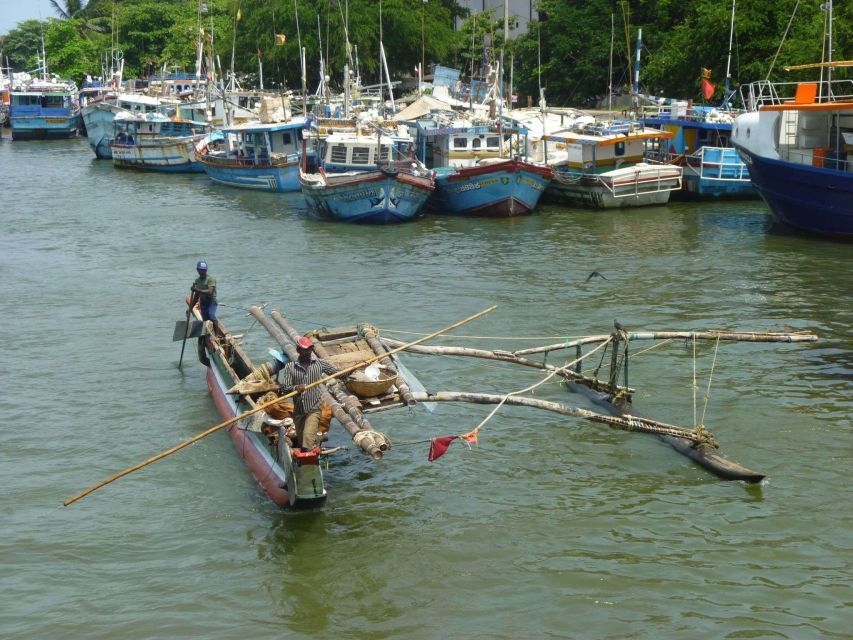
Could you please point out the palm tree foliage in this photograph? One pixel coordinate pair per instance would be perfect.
(680, 37)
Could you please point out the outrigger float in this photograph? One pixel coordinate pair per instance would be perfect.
(249, 397)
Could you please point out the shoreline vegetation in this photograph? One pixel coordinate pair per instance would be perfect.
(573, 39)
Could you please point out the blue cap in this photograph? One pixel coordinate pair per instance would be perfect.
(201, 264)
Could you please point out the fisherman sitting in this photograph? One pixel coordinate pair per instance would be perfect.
(308, 407)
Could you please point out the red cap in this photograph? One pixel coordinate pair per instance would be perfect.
(304, 343)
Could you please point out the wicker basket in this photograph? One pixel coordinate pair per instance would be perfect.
(364, 388)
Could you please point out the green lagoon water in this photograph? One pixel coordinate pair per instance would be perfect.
(550, 528)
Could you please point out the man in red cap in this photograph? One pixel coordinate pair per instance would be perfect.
(296, 375)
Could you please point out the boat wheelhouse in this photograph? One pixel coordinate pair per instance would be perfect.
(44, 110)
(258, 156)
(155, 142)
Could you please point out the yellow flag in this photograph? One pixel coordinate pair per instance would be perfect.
(706, 73)
(239, 15)
(280, 39)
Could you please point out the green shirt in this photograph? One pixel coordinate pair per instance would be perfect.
(204, 283)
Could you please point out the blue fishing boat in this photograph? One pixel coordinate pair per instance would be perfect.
(701, 145)
(44, 110)
(366, 179)
(473, 173)
(797, 140)
(154, 142)
(258, 156)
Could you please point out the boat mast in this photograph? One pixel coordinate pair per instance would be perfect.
(727, 93)
(637, 72)
(610, 72)
(829, 68)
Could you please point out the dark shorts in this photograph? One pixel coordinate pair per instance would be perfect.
(208, 311)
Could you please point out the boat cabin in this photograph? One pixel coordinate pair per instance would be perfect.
(133, 128)
(342, 152)
(258, 143)
(46, 103)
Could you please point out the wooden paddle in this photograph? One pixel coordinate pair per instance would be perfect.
(186, 331)
(261, 407)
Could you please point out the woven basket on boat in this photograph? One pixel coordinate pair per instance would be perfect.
(364, 388)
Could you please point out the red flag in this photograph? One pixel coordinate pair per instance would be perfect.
(707, 89)
(438, 447)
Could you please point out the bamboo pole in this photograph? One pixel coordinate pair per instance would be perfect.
(735, 336)
(624, 422)
(261, 407)
(507, 356)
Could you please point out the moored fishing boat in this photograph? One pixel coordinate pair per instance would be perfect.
(44, 110)
(264, 157)
(606, 165)
(797, 139)
(473, 173)
(154, 142)
(366, 179)
(99, 117)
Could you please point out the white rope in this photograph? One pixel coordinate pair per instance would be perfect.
(710, 378)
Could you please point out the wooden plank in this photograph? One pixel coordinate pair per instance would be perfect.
(335, 333)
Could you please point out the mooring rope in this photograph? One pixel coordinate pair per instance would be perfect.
(416, 333)
(710, 378)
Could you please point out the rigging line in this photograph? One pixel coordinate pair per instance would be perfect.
(553, 373)
(710, 378)
(773, 63)
(632, 356)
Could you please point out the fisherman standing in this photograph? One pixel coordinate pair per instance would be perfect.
(296, 375)
(204, 292)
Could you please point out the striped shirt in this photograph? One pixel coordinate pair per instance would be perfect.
(293, 373)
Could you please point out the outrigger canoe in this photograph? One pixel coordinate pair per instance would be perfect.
(291, 477)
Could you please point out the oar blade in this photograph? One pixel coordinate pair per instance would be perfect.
(196, 330)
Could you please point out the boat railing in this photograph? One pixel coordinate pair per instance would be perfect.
(711, 115)
(718, 163)
(818, 158)
(650, 179)
(763, 92)
(276, 160)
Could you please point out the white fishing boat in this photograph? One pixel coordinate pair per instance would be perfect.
(155, 142)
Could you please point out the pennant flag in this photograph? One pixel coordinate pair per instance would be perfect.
(280, 39)
(706, 73)
(239, 15)
(707, 89)
(438, 447)
(470, 437)
(260, 53)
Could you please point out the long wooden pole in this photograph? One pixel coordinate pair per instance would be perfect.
(228, 423)
(736, 336)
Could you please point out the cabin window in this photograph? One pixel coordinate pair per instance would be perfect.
(53, 102)
(460, 143)
(384, 153)
(25, 100)
(493, 142)
(285, 138)
(360, 155)
(619, 148)
(339, 153)
(476, 143)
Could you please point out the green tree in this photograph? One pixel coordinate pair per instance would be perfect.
(23, 42)
(69, 54)
(84, 15)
